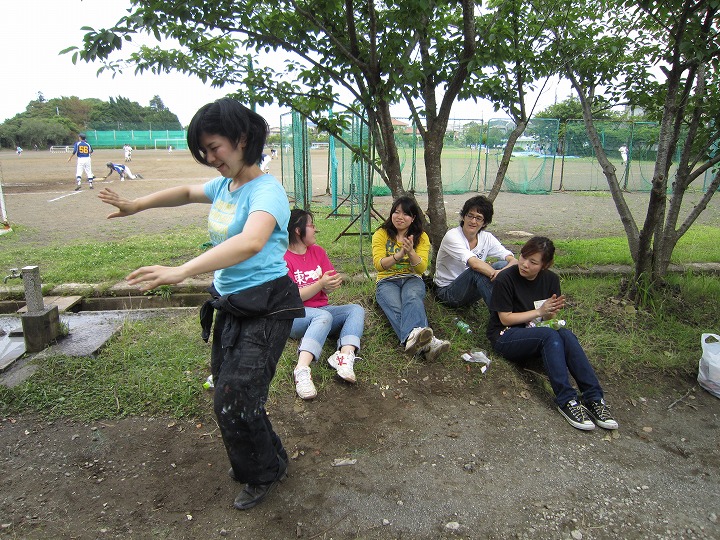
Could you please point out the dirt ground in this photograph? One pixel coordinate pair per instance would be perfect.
(438, 452)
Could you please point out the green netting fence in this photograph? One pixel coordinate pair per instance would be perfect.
(630, 146)
(547, 157)
(532, 166)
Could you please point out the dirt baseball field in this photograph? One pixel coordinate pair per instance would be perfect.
(40, 196)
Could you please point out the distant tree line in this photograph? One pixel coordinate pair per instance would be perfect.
(57, 121)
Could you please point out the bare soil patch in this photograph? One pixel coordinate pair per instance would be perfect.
(441, 452)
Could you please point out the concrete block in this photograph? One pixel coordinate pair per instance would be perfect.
(41, 329)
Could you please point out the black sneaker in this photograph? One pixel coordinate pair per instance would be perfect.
(77, 188)
(253, 494)
(599, 413)
(576, 415)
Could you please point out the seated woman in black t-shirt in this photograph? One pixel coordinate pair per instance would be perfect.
(523, 298)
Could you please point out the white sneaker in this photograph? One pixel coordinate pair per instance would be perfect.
(303, 383)
(343, 364)
(418, 338)
(435, 348)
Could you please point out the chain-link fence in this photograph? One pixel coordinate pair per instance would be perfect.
(148, 139)
(547, 156)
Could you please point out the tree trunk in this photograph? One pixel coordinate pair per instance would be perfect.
(387, 150)
(520, 128)
(437, 218)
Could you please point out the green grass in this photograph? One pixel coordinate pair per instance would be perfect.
(158, 366)
(698, 245)
(101, 262)
(152, 367)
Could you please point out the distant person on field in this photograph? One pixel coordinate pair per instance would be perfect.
(18, 150)
(462, 276)
(524, 297)
(400, 250)
(310, 267)
(170, 149)
(128, 152)
(273, 153)
(623, 153)
(83, 151)
(122, 170)
(253, 300)
(265, 163)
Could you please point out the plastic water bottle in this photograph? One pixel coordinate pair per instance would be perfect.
(462, 326)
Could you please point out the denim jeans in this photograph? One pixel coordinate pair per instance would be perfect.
(561, 353)
(468, 288)
(402, 301)
(347, 321)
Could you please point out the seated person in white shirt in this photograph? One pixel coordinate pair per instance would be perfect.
(462, 276)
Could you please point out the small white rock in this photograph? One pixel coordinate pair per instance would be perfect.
(452, 526)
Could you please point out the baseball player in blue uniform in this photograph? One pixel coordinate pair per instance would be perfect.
(83, 150)
(122, 170)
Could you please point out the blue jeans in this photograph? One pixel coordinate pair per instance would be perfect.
(318, 323)
(402, 301)
(468, 288)
(561, 353)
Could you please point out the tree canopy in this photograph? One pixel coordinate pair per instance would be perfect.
(359, 58)
(57, 121)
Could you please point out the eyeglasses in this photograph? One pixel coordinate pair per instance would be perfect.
(475, 217)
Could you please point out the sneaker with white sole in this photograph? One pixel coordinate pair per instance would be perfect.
(576, 415)
(304, 386)
(343, 364)
(600, 414)
(417, 339)
(435, 348)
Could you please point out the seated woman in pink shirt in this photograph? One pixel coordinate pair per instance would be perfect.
(309, 267)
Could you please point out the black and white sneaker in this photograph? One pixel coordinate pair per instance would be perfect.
(599, 413)
(576, 415)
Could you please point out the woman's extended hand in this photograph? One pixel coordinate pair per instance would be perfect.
(153, 276)
(125, 207)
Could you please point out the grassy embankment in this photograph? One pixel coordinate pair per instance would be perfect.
(158, 366)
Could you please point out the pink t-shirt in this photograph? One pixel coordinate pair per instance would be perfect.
(307, 269)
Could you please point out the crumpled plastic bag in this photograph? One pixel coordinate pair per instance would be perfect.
(709, 368)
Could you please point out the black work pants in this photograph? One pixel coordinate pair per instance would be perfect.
(245, 353)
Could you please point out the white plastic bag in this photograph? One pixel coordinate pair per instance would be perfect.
(709, 371)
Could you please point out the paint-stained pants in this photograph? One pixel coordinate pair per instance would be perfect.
(245, 353)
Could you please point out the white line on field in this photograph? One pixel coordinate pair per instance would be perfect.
(66, 195)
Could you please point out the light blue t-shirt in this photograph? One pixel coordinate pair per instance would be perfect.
(228, 215)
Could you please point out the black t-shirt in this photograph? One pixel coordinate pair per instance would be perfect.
(513, 293)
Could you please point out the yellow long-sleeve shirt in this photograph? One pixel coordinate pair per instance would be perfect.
(384, 246)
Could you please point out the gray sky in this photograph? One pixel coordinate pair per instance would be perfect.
(33, 32)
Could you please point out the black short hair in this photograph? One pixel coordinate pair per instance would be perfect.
(542, 245)
(228, 118)
(483, 205)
